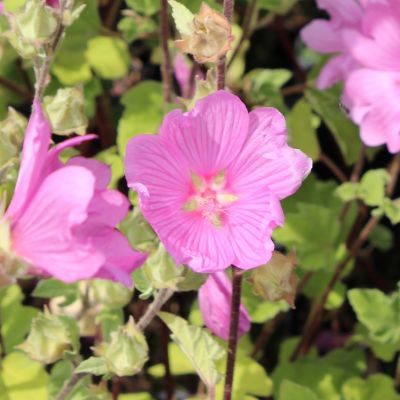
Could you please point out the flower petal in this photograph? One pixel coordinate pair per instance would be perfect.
(33, 159)
(211, 135)
(321, 36)
(44, 234)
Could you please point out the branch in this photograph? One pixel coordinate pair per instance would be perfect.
(166, 69)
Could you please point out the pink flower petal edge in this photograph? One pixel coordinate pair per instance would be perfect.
(211, 181)
(215, 302)
(63, 217)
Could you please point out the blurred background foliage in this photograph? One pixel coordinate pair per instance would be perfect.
(112, 53)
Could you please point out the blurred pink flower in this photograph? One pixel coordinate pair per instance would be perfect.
(53, 3)
(183, 72)
(211, 181)
(373, 92)
(215, 304)
(325, 36)
(63, 217)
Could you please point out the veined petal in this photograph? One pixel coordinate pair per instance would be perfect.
(267, 159)
(44, 234)
(33, 159)
(211, 135)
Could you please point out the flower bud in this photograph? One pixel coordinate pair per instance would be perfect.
(66, 111)
(36, 22)
(11, 136)
(127, 351)
(211, 36)
(276, 280)
(111, 294)
(48, 339)
(215, 303)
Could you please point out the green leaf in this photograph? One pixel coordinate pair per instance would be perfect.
(23, 378)
(379, 313)
(302, 134)
(180, 366)
(183, 17)
(373, 185)
(93, 365)
(146, 7)
(198, 345)
(143, 114)
(391, 208)
(290, 391)
(382, 237)
(135, 396)
(108, 56)
(376, 387)
(70, 65)
(326, 104)
(60, 373)
(15, 319)
(135, 28)
(49, 288)
(348, 191)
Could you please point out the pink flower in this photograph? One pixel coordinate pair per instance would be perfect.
(325, 36)
(211, 181)
(215, 304)
(183, 72)
(63, 217)
(373, 91)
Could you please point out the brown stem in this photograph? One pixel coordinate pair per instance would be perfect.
(247, 31)
(233, 331)
(14, 87)
(294, 89)
(333, 167)
(112, 13)
(166, 69)
(116, 387)
(69, 386)
(221, 68)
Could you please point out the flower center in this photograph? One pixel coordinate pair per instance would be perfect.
(209, 197)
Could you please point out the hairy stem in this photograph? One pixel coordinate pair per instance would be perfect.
(339, 174)
(233, 331)
(65, 391)
(161, 298)
(166, 69)
(221, 68)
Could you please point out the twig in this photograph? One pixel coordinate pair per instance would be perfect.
(112, 13)
(14, 87)
(221, 68)
(339, 174)
(65, 391)
(161, 298)
(233, 331)
(166, 69)
(247, 30)
(294, 89)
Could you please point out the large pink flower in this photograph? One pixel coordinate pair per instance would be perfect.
(63, 217)
(211, 181)
(215, 304)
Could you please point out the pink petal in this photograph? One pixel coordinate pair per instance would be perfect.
(378, 45)
(211, 135)
(101, 171)
(347, 11)
(322, 36)
(44, 234)
(34, 153)
(267, 158)
(375, 106)
(335, 70)
(214, 302)
(121, 260)
(251, 222)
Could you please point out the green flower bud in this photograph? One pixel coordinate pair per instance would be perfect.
(24, 49)
(276, 280)
(66, 111)
(111, 294)
(36, 22)
(127, 351)
(48, 339)
(11, 136)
